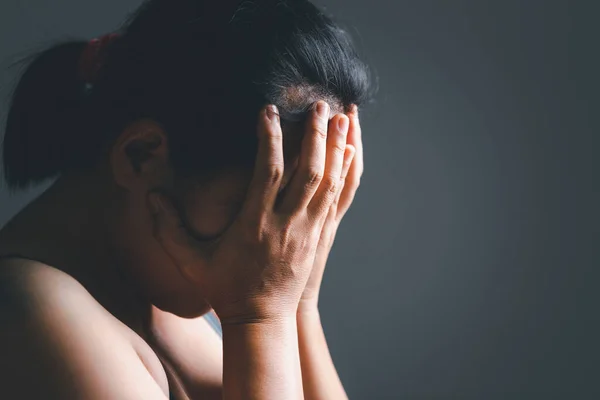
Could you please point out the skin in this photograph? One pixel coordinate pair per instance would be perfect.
(124, 263)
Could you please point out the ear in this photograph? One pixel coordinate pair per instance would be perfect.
(139, 157)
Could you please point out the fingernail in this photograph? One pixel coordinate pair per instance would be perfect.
(323, 109)
(272, 113)
(343, 124)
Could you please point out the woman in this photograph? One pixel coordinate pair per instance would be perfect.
(172, 200)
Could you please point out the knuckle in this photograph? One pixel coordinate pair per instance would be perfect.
(331, 184)
(320, 131)
(274, 173)
(275, 135)
(339, 147)
(313, 177)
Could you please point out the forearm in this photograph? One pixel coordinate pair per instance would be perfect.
(261, 360)
(319, 376)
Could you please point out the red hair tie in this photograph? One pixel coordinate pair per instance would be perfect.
(93, 57)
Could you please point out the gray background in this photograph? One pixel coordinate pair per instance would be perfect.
(466, 268)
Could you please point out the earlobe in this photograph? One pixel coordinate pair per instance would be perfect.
(139, 157)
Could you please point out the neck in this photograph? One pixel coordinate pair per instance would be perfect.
(69, 228)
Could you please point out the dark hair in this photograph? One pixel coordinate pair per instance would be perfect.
(202, 69)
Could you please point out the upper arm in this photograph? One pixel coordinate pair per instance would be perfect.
(57, 343)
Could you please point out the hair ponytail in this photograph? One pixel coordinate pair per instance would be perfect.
(201, 69)
(44, 114)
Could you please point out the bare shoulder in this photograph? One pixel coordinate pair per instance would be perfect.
(58, 342)
(31, 281)
(30, 290)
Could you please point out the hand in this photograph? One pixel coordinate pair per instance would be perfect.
(349, 182)
(259, 267)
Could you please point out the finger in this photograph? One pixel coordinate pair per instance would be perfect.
(169, 231)
(356, 169)
(311, 164)
(269, 167)
(345, 195)
(355, 139)
(348, 157)
(328, 230)
(336, 148)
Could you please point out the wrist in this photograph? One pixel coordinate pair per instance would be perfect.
(262, 319)
(308, 308)
(308, 321)
(255, 312)
(283, 330)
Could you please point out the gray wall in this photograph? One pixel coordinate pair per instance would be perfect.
(466, 268)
